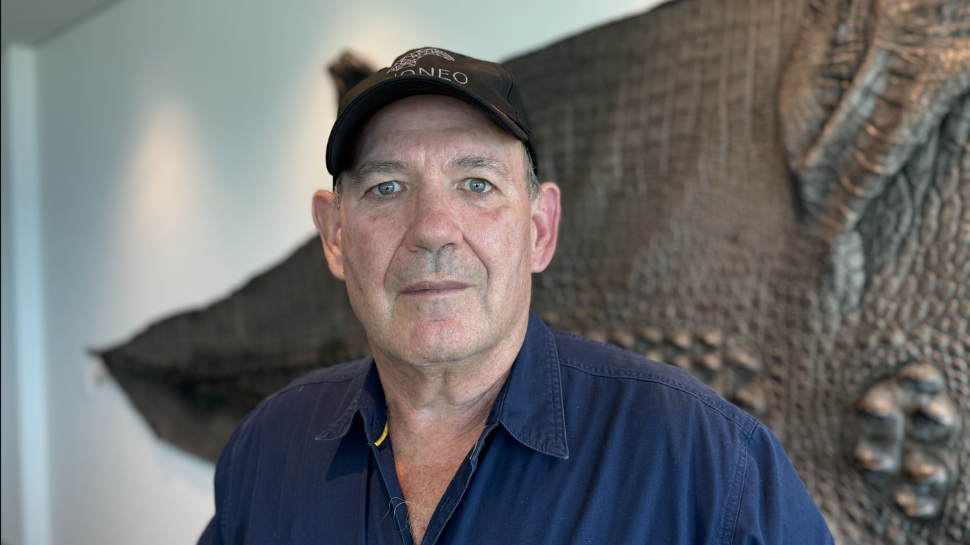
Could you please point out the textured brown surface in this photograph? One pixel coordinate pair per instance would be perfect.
(772, 194)
(196, 374)
(674, 137)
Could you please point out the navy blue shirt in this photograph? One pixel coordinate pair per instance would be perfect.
(586, 443)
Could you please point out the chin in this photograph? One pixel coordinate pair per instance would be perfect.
(443, 341)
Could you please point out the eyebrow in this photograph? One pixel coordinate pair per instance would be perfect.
(371, 168)
(479, 163)
(465, 162)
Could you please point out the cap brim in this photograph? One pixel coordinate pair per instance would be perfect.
(376, 97)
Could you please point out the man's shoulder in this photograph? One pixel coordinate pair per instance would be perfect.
(331, 376)
(317, 397)
(653, 384)
(671, 430)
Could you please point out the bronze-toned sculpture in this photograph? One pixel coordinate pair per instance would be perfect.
(774, 195)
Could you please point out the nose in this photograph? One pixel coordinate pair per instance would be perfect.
(434, 224)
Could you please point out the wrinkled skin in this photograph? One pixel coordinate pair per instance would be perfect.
(772, 194)
(439, 266)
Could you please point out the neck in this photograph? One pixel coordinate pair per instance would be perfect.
(446, 399)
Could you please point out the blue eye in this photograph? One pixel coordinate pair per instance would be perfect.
(386, 188)
(478, 185)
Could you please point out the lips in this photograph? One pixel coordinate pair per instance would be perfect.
(434, 287)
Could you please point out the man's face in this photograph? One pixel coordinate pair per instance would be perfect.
(436, 236)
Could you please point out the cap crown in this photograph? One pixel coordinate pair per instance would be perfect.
(430, 70)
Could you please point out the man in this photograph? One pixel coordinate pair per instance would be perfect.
(472, 422)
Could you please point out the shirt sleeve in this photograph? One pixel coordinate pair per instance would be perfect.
(212, 535)
(226, 468)
(774, 506)
(209, 536)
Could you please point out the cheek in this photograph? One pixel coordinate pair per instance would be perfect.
(503, 242)
(369, 245)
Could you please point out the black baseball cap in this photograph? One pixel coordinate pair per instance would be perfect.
(430, 71)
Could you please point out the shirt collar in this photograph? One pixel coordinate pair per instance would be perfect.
(529, 407)
(367, 399)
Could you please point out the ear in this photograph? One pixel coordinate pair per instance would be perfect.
(326, 216)
(545, 226)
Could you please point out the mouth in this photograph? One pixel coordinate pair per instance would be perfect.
(431, 288)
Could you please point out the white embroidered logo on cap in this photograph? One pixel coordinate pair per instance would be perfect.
(411, 58)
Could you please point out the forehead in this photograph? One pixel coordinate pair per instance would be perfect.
(429, 118)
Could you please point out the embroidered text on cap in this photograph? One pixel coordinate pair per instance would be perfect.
(411, 58)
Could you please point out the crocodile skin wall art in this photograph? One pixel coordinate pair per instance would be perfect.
(772, 194)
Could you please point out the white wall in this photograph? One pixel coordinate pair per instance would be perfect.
(10, 513)
(179, 143)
